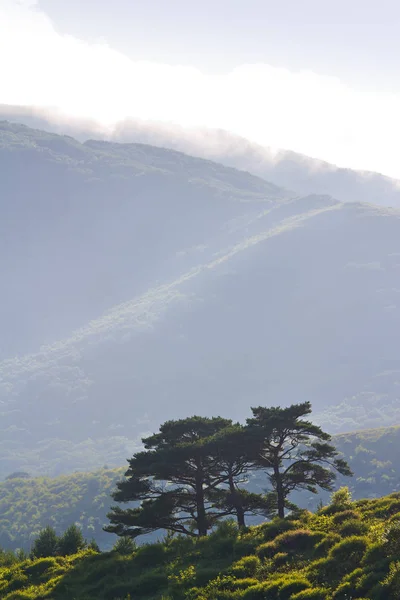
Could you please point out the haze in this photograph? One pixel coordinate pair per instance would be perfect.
(302, 76)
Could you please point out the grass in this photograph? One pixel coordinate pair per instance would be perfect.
(344, 551)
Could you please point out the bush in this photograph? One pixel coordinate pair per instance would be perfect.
(297, 541)
(342, 559)
(392, 540)
(151, 554)
(276, 527)
(326, 544)
(287, 590)
(203, 576)
(125, 546)
(345, 515)
(244, 546)
(243, 584)
(373, 555)
(40, 566)
(246, 566)
(349, 550)
(281, 559)
(311, 594)
(267, 550)
(262, 591)
(353, 527)
(340, 501)
(300, 540)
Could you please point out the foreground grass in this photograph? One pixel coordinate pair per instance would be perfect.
(345, 551)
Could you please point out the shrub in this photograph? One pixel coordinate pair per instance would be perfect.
(395, 517)
(267, 550)
(311, 594)
(40, 566)
(125, 546)
(246, 566)
(243, 584)
(276, 527)
(340, 501)
(326, 544)
(287, 590)
(349, 550)
(373, 554)
(299, 540)
(281, 559)
(258, 592)
(203, 576)
(392, 539)
(148, 584)
(353, 527)
(151, 554)
(244, 546)
(345, 515)
(262, 591)
(342, 559)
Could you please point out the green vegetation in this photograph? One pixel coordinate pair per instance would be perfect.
(28, 505)
(309, 556)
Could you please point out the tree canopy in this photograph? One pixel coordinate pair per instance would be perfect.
(189, 476)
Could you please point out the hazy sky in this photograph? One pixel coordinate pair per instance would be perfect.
(318, 77)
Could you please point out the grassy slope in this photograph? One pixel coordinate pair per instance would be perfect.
(27, 505)
(344, 551)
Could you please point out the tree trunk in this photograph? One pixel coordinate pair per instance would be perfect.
(280, 495)
(201, 511)
(237, 503)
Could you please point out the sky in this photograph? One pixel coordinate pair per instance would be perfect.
(320, 78)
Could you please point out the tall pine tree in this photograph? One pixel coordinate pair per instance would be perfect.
(294, 453)
(173, 480)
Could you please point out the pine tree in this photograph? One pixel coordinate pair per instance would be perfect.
(72, 541)
(231, 447)
(173, 480)
(46, 544)
(295, 453)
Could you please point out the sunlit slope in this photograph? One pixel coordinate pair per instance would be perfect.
(145, 284)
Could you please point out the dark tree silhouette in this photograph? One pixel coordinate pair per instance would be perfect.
(295, 453)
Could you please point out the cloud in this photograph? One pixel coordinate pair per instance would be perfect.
(316, 115)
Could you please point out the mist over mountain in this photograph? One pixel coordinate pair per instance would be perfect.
(142, 284)
(303, 174)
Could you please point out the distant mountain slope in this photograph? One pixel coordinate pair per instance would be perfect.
(27, 505)
(285, 168)
(142, 284)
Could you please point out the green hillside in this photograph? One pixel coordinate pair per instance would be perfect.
(344, 551)
(28, 505)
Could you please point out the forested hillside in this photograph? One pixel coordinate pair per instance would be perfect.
(285, 168)
(141, 284)
(345, 550)
(29, 504)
